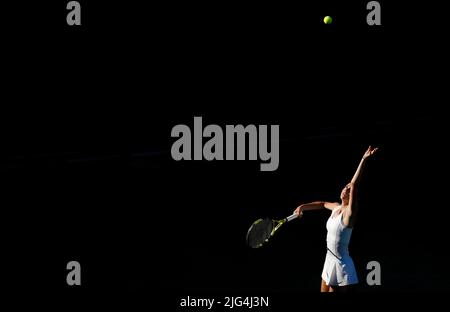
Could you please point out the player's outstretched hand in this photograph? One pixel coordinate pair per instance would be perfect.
(370, 151)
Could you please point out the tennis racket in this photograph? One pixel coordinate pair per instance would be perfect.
(262, 230)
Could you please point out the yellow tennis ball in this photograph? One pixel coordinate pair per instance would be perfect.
(327, 20)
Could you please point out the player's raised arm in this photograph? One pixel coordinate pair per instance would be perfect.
(352, 188)
(357, 176)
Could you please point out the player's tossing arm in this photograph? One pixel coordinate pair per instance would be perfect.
(357, 176)
(349, 217)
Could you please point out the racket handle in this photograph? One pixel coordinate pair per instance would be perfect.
(292, 217)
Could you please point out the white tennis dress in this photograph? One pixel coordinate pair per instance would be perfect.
(338, 269)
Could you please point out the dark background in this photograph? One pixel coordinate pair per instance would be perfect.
(86, 168)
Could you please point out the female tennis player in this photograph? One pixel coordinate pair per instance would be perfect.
(339, 271)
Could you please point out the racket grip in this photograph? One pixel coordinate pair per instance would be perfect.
(292, 217)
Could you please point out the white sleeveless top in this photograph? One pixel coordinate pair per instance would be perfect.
(338, 269)
(338, 236)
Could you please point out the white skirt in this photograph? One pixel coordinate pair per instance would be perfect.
(339, 272)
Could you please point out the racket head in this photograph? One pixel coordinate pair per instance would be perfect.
(259, 232)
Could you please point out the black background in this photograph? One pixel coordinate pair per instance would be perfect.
(87, 173)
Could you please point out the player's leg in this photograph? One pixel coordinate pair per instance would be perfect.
(324, 287)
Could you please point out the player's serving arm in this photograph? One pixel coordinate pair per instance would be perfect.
(315, 206)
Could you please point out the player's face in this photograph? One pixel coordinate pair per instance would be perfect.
(345, 193)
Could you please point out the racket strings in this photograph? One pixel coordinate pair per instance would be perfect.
(260, 231)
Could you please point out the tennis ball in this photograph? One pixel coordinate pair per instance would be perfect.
(327, 20)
